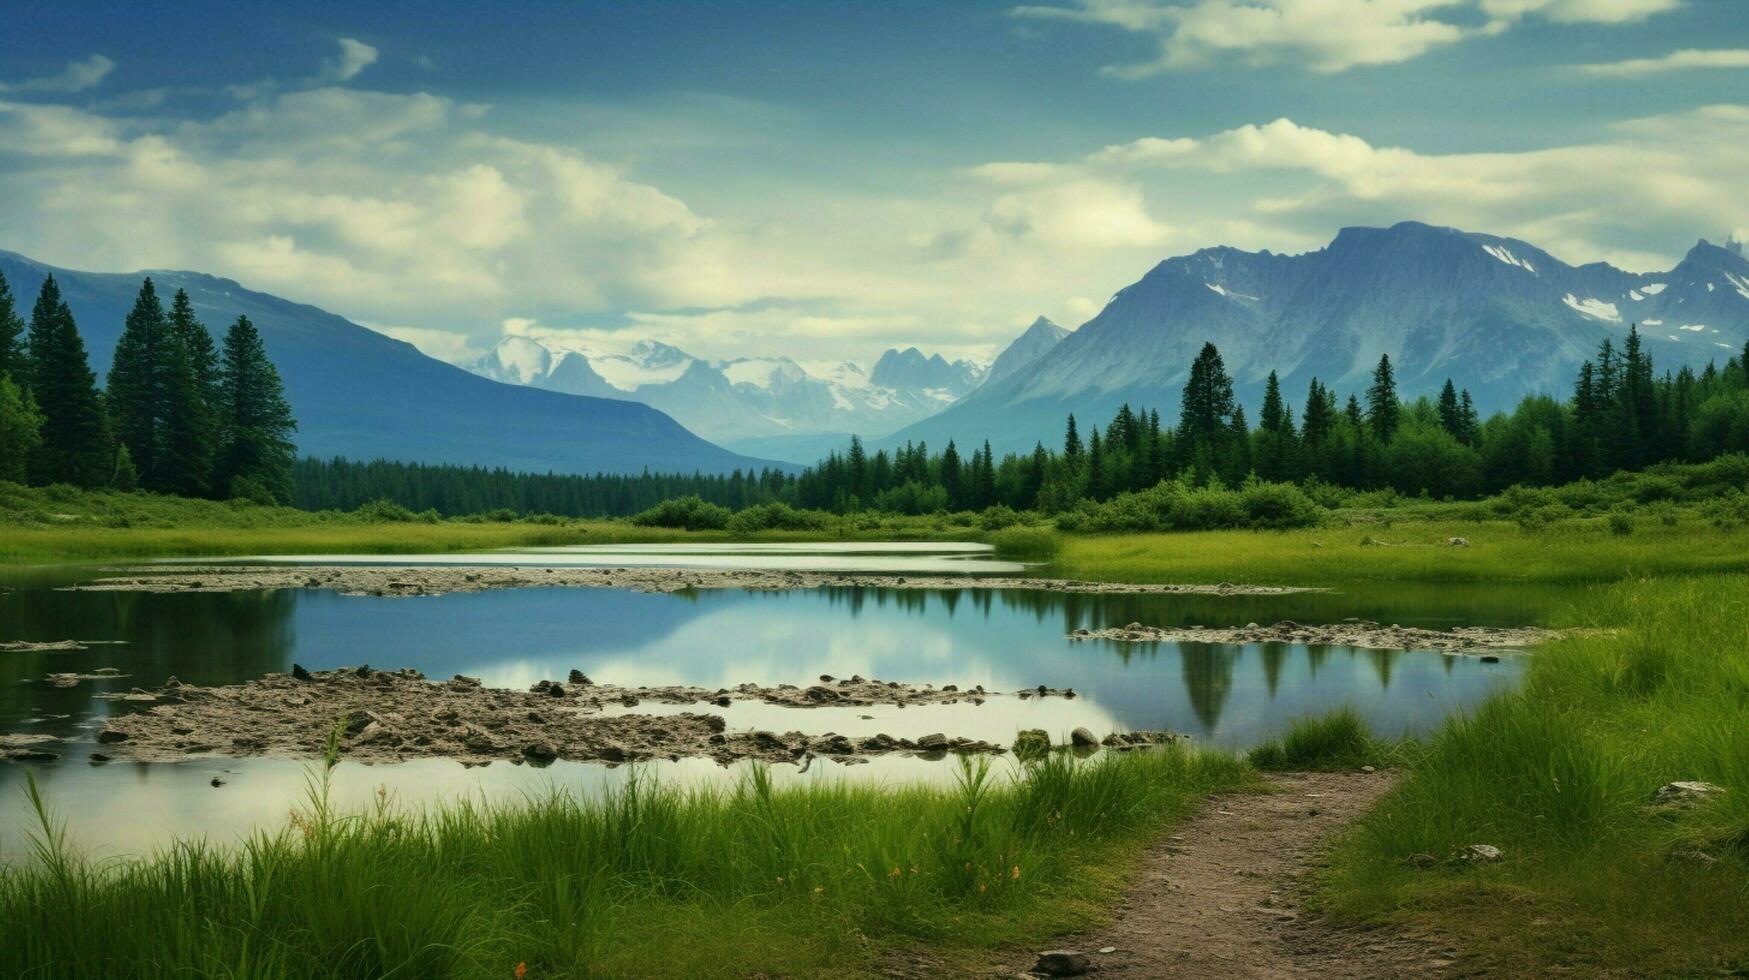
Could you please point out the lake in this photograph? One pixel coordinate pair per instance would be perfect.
(1226, 696)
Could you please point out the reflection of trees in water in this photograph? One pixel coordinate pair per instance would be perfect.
(1381, 665)
(1274, 656)
(1208, 679)
(1315, 657)
(202, 638)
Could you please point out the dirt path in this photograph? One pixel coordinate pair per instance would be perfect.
(1219, 898)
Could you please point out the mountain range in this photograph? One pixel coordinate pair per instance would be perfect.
(1499, 316)
(360, 394)
(773, 406)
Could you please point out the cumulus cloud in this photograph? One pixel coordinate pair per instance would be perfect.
(76, 77)
(1321, 35)
(1675, 61)
(1585, 201)
(386, 206)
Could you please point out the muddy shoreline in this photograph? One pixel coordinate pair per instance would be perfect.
(391, 716)
(1364, 634)
(378, 580)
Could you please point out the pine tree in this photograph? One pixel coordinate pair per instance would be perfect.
(1274, 414)
(1451, 417)
(1470, 423)
(951, 477)
(257, 454)
(987, 478)
(1320, 413)
(1072, 441)
(195, 401)
(138, 386)
(1096, 467)
(1383, 410)
(76, 445)
(13, 358)
(1206, 411)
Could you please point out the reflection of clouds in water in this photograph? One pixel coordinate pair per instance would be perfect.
(165, 802)
(1227, 696)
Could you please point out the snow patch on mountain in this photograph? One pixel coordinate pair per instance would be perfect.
(1505, 255)
(1593, 308)
(1652, 288)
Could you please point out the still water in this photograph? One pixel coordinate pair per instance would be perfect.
(1229, 696)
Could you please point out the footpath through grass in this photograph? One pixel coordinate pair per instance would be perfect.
(1560, 776)
(821, 880)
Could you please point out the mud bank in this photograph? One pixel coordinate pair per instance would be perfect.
(375, 580)
(389, 716)
(53, 646)
(1360, 633)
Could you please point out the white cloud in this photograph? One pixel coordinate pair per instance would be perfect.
(355, 56)
(1579, 11)
(1584, 202)
(1321, 35)
(1674, 61)
(76, 77)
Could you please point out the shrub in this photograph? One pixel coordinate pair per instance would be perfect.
(686, 513)
(776, 517)
(1621, 523)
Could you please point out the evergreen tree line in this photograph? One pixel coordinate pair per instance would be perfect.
(342, 484)
(1622, 416)
(177, 415)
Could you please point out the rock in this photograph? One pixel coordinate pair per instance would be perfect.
(1369, 769)
(1420, 860)
(819, 694)
(1684, 795)
(300, 674)
(1033, 743)
(933, 742)
(1479, 854)
(110, 736)
(1061, 963)
(1489, 658)
(1108, 949)
(217, 782)
(1457, 542)
(1083, 738)
(539, 753)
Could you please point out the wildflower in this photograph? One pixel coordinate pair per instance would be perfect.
(1015, 873)
(819, 890)
(982, 888)
(894, 873)
(780, 880)
(521, 970)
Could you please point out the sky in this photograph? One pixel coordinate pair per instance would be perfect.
(824, 180)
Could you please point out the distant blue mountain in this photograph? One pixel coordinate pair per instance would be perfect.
(1497, 315)
(360, 394)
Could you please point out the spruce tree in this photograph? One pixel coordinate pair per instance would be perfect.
(138, 386)
(987, 478)
(1206, 411)
(12, 352)
(1274, 414)
(1319, 415)
(189, 439)
(76, 446)
(1383, 410)
(257, 455)
(1072, 441)
(1451, 417)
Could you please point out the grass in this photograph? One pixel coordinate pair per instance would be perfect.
(1333, 742)
(1558, 774)
(821, 880)
(1579, 551)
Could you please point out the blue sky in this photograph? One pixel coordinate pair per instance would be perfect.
(827, 179)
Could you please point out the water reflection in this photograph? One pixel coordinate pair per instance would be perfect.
(1005, 640)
